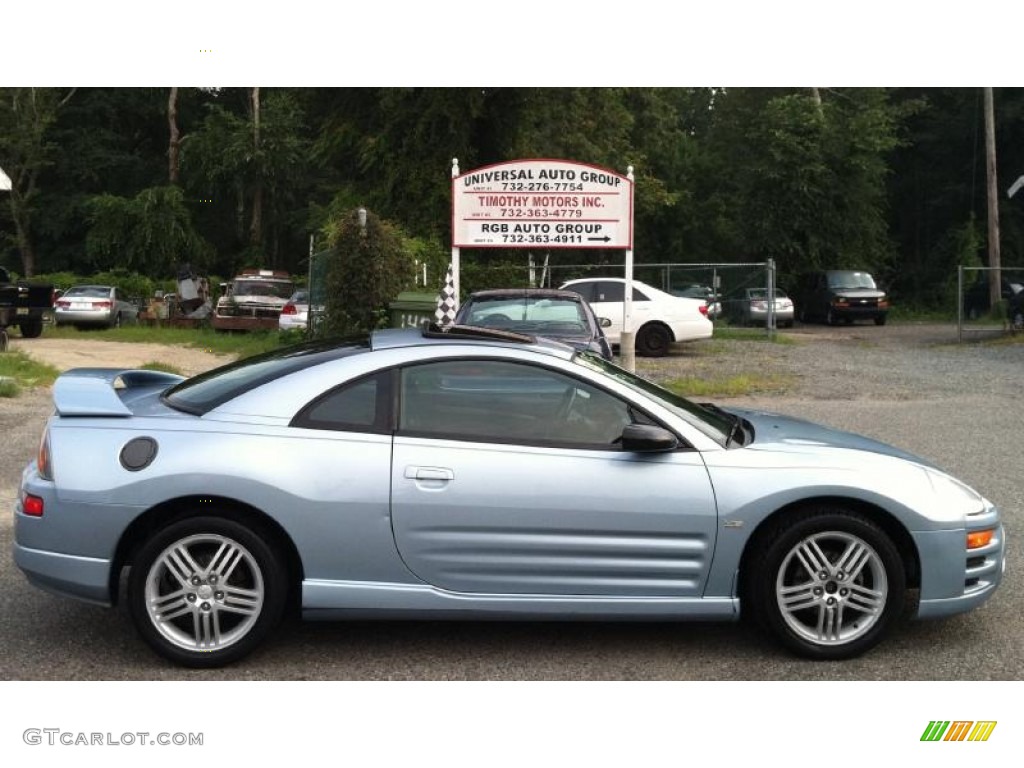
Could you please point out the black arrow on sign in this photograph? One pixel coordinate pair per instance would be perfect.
(605, 238)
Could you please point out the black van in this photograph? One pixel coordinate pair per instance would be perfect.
(840, 295)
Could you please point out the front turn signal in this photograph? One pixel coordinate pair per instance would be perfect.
(979, 539)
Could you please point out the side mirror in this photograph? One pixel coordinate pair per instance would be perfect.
(604, 322)
(646, 438)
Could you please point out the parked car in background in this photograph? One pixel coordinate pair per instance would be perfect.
(25, 304)
(840, 295)
(752, 308)
(696, 291)
(253, 301)
(659, 318)
(476, 474)
(94, 306)
(295, 314)
(1015, 311)
(560, 315)
(976, 297)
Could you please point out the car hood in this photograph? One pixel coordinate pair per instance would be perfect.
(859, 293)
(255, 299)
(775, 431)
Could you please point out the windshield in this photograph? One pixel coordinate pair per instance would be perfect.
(712, 424)
(91, 291)
(279, 290)
(528, 314)
(850, 280)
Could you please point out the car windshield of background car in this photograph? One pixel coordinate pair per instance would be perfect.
(89, 291)
(708, 422)
(263, 288)
(530, 314)
(850, 280)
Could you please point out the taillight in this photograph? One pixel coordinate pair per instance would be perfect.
(44, 461)
(759, 304)
(32, 505)
(703, 309)
(289, 309)
(101, 305)
(64, 304)
(841, 301)
(883, 303)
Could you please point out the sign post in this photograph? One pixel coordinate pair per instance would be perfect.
(627, 339)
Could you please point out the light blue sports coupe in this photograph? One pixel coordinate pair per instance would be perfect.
(479, 474)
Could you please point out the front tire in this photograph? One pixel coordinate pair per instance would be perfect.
(205, 591)
(828, 583)
(653, 340)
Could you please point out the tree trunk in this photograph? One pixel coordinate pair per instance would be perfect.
(995, 282)
(256, 225)
(20, 215)
(174, 148)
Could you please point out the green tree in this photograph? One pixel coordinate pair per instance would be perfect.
(150, 233)
(26, 116)
(250, 180)
(368, 267)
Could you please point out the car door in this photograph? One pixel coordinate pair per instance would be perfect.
(506, 480)
(609, 301)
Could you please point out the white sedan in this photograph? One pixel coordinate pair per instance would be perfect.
(658, 317)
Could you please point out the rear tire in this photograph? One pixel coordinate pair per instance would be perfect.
(31, 329)
(205, 591)
(653, 340)
(827, 582)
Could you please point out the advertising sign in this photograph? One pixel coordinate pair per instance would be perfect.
(542, 203)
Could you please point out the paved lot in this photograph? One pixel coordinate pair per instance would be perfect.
(908, 385)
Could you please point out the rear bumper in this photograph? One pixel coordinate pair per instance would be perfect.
(83, 317)
(83, 578)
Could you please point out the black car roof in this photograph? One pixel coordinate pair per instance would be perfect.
(530, 293)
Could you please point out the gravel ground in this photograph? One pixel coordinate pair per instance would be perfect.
(911, 386)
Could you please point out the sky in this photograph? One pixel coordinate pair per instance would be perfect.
(517, 42)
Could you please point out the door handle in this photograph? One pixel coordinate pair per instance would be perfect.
(429, 473)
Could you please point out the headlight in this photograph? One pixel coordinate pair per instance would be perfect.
(956, 498)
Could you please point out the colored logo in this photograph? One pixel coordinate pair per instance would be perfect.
(958, 730)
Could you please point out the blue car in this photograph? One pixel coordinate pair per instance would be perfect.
(459, 474)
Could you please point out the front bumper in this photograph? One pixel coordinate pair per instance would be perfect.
(955, 579)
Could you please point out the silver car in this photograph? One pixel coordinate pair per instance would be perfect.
(479, 474)
(94, 306)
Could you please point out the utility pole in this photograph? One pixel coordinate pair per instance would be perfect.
(995, 281)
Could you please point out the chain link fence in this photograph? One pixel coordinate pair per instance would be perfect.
(975, 312)
(726, 286)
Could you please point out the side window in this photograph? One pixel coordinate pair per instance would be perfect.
(608, 291)
(586, 290)
(498, 401)
(638, 296)
(360, 406)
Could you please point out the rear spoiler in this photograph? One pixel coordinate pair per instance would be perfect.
(94, 391)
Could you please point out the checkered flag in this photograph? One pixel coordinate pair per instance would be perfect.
(446, 304)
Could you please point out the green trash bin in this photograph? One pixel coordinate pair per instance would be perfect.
(412, 309)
